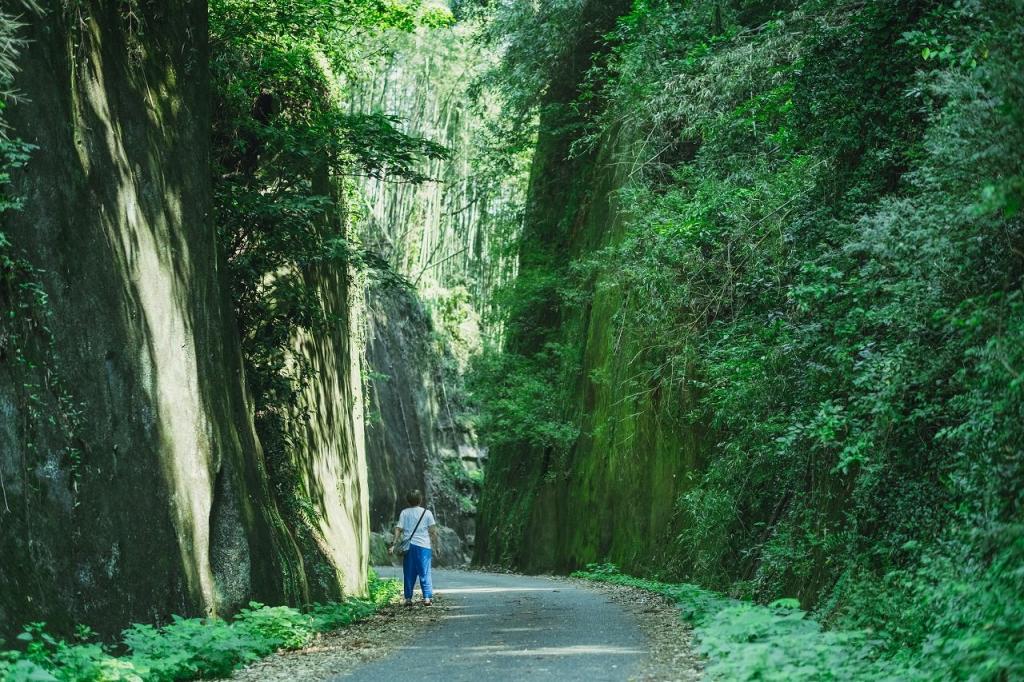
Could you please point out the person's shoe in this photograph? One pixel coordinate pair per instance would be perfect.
(408, 602)
(427, 602)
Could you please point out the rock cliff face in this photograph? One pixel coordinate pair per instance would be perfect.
(442, 236)
(612, 496)
(329, 450)
(134, 482)
(416, 434)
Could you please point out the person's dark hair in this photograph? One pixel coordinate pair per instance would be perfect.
(414, 498)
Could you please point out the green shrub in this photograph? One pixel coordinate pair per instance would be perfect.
(187, 648)
(283, 626)
(192, 648)
(47, 658)
(745, 641)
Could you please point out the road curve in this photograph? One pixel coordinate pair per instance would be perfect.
(508, 627)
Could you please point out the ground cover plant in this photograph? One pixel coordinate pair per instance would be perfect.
(741, 640)
(186, 648)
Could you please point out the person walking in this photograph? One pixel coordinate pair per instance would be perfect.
(415, 537)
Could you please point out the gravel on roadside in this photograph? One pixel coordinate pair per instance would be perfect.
(672, 656)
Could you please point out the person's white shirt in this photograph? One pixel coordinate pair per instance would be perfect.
(407, 521)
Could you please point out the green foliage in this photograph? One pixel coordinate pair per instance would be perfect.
(848, 336)
(460, 485)
(745, 641)
(193, 648)
(520, 398)
(47, 658)
(11, 45)
(532, 37)
(332, 27)
(277, 624)
(13, 154)
(521, 395)
(285, 150)
(822, 244)
(187, 648)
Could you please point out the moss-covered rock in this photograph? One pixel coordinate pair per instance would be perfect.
(135, 485)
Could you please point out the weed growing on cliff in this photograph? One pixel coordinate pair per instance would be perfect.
(460, 485)
(187, 648)
(521, 398)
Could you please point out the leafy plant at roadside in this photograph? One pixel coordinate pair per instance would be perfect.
(187, 648)
(745, 641)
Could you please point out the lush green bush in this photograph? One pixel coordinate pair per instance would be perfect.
(192, 648)
(187, 648)
(520, 397)
(282, 625)
(745, 641)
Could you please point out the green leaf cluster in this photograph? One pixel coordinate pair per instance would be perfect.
(521, 398)
(186, 648)
(745, 641)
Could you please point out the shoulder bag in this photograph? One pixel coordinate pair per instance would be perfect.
(402, 547)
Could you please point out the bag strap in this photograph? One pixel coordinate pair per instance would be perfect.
(417, 526)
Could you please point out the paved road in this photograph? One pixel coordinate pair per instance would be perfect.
(507, 627)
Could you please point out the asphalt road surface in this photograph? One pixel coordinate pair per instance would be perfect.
(508, 627)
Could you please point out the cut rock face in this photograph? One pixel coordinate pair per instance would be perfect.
(449, 553)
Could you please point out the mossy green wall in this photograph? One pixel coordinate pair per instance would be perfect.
(613, 495)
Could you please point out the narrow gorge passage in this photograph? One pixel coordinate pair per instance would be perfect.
(713, 308)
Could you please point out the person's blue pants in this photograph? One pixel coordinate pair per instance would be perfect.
(417, 565)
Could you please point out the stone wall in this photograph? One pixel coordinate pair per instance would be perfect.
(416, 436)
(134, 483)
(329, 452)
(612, 496)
